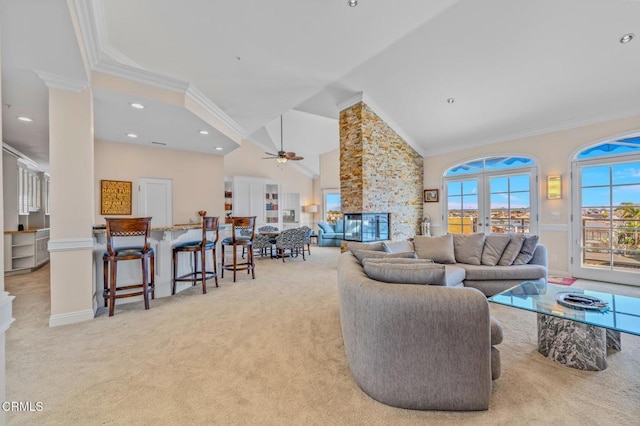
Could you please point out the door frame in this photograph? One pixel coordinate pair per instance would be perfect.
(575, 261)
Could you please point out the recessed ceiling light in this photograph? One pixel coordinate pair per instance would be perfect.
(627, 38)
(352, 3)
(450, 100)
(203, 132)
(23, 118)
(219, 148)
(132, 135)
(136, 105)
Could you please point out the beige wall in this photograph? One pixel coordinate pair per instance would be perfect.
(553, 152)
(197, 179)
(247, 161)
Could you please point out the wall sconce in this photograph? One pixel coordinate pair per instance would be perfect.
(312, 208)
(554, 187)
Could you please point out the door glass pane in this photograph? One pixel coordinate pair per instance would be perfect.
(627, 173)
(510, 200)
(595, 176)
(596, 197)
(462, 206)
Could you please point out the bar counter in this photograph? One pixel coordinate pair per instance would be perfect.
(162, 240)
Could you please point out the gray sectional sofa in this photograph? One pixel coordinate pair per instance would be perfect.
(430, 345)
(417, 346)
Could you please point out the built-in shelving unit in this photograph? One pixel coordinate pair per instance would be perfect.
(253, 196)
(25, 250)
(272, 211)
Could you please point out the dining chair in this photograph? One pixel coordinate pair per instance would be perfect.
(198, 249)
(307, 238)
(137, 231)
(292, 240)
(242, 235)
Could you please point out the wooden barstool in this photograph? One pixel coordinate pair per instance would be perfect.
(242, 234)
(198, 248)
(140, 228)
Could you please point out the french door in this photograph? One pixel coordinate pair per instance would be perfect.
(492, 203)
(606, 220)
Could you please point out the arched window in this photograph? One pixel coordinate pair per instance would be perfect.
(606, 212)
(491, 195)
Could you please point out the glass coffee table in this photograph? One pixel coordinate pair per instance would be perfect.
(575, 337)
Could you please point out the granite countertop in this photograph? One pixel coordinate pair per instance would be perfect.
(178, 227)
(26, 231)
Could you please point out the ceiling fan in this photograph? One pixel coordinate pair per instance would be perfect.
(283, 156)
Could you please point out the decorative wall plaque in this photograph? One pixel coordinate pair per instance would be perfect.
(115, 197)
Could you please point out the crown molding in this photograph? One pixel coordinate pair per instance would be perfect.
(117, 56)
(141, 76)
(199, 98)
(54, 81)
(88, 27)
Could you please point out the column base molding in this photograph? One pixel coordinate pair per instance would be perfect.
(71, 318)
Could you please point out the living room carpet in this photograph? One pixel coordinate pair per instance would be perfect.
(269, 351)
(557, 279)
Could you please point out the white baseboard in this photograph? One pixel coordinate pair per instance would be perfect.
(71, 318)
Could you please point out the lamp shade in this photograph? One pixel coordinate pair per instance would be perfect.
(554, 187)
(312, 208)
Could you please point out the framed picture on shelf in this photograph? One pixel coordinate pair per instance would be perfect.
(430, 195)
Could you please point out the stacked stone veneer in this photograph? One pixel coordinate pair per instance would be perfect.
(379, 171)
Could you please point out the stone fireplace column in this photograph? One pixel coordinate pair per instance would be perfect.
(379, 171)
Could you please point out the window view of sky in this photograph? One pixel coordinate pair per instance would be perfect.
(618, 183)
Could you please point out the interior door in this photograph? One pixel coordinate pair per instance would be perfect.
(155, 200)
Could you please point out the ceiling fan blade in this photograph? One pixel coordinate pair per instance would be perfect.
(289, 154)
(296, 158)
(268, 153)
(268, 158)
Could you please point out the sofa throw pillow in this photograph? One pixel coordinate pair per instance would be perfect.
(467, 248)
(494, 246)
(439, 249)
(325, 227)
(513, 249)
(354, 246)
(363, 254)
(526, 252)
(398, 246)
(418, 273)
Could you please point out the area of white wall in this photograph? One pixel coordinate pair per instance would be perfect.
(553, 153)
(247, 161)
(198, 179)
(10, 191)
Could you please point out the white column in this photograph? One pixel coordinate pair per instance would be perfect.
(5, 299)
(72, 201)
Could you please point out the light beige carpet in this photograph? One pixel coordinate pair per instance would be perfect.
(268, 351)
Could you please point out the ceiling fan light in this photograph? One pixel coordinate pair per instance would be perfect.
(281, 160)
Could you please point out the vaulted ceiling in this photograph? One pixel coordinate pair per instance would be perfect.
(512, 67)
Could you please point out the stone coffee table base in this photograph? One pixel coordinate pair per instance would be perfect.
(575, 344)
